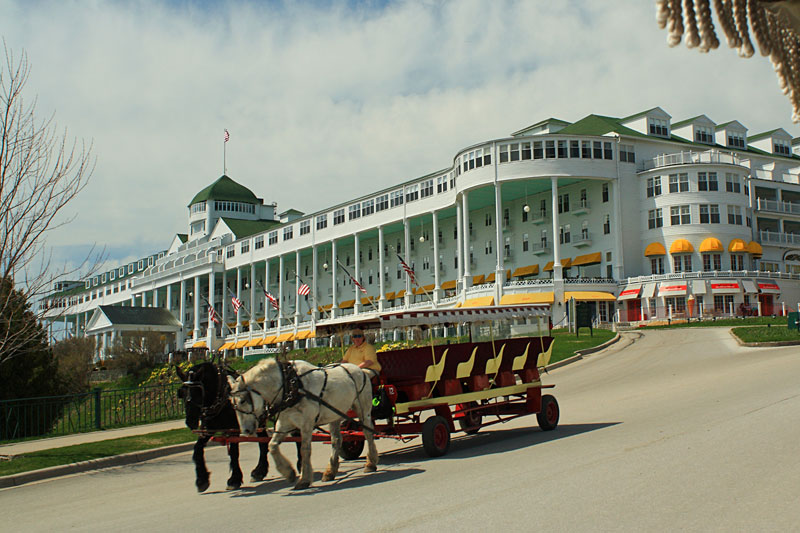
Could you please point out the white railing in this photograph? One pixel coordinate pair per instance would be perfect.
(762, 204)
(527, 282)
(771, 175)
(779, 238)
(711, 275)
(691, 158)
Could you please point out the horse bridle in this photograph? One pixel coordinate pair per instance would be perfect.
(222, 392)
(290, 392)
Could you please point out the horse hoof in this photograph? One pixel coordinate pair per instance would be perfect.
(256, 479)
(233, 487)
(327, 476)
(291, 477)
(302, 485)
(202, 487)
(370, 467)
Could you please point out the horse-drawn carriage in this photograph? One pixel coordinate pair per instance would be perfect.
(487, 375)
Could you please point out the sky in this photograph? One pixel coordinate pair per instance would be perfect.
(326, 100)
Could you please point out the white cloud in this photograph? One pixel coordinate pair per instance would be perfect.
(340, 100)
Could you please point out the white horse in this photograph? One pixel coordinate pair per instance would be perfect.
(291, 390)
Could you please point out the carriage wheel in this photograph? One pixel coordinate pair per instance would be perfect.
(471, 421)
(548, 416)
(435, 436)
(351, 449)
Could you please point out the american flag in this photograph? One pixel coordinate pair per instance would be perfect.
(272, 300)
(227, 136)
(362, 289)
(303, 290)
(408, 269)
(212, 315)
(237, 304)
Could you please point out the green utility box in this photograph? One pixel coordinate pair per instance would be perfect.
(793, 321)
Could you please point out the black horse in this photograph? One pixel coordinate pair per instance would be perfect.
(205, 396)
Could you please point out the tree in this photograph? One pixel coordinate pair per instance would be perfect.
(74, 358)
(138, 352)
(41, 172)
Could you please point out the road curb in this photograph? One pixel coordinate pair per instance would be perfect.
(95, 464)
(767, 344)
(581, 353)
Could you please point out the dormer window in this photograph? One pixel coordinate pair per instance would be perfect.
(658, 126)
(781, 147)
(735, 139)
(703, 134)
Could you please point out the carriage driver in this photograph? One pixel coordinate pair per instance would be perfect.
(362, 353)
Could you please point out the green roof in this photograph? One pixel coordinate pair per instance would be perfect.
(598, 125)
(245, 228)
(138, 316)
(225, 189)
(550, 120)
(687, 121)
(183, 237)
(763, 135)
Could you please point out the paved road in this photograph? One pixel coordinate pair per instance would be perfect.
(680, 430)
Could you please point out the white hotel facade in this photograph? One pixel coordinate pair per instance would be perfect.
(642, 217)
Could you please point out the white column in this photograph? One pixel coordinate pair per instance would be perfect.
(267, 304)
(357, 274)
(407, 257)
(381, 282)
(144, 298)
(155, 297)
(169, 297)
(557, 270)
(500, 272)
(436, 276)
(333, 265)
(466, 237)
(238, 293)
(252, 317)
(296, 285)
(211, 325)
(223, 312)
(182, 315)
(280, 289)
(196, 300)
(619, 264)
(314, 269)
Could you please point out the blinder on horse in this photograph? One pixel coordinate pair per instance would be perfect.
(223, 390)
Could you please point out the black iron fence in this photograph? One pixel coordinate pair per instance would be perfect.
(51, 416)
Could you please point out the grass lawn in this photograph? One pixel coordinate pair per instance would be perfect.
(567, 343)
(93, 450)
(762, 334)
(749, 321)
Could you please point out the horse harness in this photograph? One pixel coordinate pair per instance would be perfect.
(213, 410)
(292, 391)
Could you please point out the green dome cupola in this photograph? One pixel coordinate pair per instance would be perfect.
(225, 189)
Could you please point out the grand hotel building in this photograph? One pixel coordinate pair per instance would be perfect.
(641, 217)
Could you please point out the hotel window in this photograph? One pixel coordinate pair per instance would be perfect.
(682, 263)
(526, 151)
(656, 265)
(583, 201)
(712, 262)
(322, 221)
(487, 156)
(140, 265)
(709, 214)
(367, 207)
(487, 221)
(585, 231)
(606, 225)
(737, 262)
(131, 269)
(112, 275)
(732, 183)
(382, 202)
(441, 184)
(488, 248)
(653, 186)
(543, 208)
(707, 181)
(678, 182)
(735, 215)
(354, 212)
(452, 180)
(563, 203)
(396, 198)
(121, 272)
(538, 152)
(597, 152)
(288, 233)
(564, 234)
(658, 127)
(103, 278)
(338, 216)
(272, 237)
(259, 242)
(427, 190)
(550, 149)
(575, 149)
(679, 214)
(503, 149)
(562, 149)
(244, 247)
(506, 217)
(524, 242)
(230, 251)
(305, 227)
(605, 192)
(608, 153)
(543, 239)
(626, 153)
(514, 152)
(735, 139)
(654, 219)
(703, 134)
(781, 147)
(768, 266)
(586, 149)
(199, 207)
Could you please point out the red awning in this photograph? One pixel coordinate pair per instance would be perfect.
(672, 289)
(725, 287)
(768, 288)
(630, 292)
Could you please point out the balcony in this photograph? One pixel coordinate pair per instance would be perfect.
(540, 248)
(539, 217)
(779, 239)
(691, 158)
(582, 208)
(582, 240)
(773, 206)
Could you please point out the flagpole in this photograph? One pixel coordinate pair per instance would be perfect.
(358, 284)
(413, 278)
(220, 321)
(281, 314)
(313, 296)
(225, 138)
